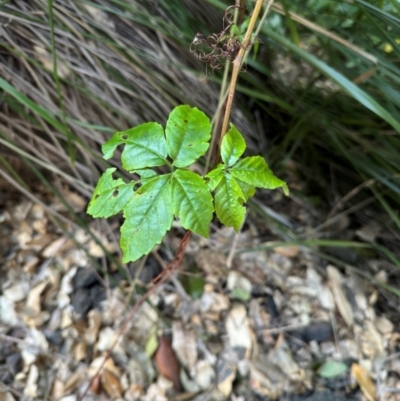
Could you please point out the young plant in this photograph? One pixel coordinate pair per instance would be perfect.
(151, 202)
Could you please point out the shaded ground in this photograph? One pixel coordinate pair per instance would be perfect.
(242, 320)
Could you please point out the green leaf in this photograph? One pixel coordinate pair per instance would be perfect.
(228, 202)
(144, 146)
(215, 176)
(151, 343)
(255, 171)
(192, 201)
(148, 216)
(146, 173)
(188, 133)
(241, 294)
(248, 190)
(194, 285)
(233, 146)
(110, 196)
(331, 369)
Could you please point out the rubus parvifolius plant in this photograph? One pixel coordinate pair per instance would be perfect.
(151, 202)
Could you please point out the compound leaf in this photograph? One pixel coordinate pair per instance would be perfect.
(188, 132)
(233, 146)
(215, 176)
(228, 202)
(148, 216)
(255, 171)
(145, 146)
(192, 201)
(110, 196)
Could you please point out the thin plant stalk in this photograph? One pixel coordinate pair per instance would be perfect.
(237, 64)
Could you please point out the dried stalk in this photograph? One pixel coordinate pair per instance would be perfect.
(237, 65)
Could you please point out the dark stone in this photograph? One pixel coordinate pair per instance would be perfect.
(271, 308)
(320, 332)
(150, 270)
(54, 337)
(85, 278)
(6, 349)
(14, 363)
(321, 396)
(6, 377)
(17, 332)
(81, 301)
(97, 295)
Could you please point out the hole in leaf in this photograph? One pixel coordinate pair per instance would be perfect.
(115, 193)
(124, 137)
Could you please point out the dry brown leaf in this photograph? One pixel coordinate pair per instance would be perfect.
(341, 300)
(384, 325)
(31, 386)
(107, 339)
(288, 251)
(8, 314)
(24, 234)
(210, 262)
(111, 384)
(6, 396)
(225, 383)
(16, 292)
(92, 331)
(167, 362)
(35, 320)
(95, 366)
(80, 351)
(73, 380)
(38, 243)
(134, 392)
(98, 251)
(184, 345)
(155, 392)
(282, 358)
(236, 281)
(371, 340)
(238, 329)
(260, 383)
(58, 389)
(112, 368)
(33, 301)
(205, 375)
(58, 245)
(214, 302)
(364, 381)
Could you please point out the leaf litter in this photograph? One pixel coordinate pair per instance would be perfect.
(276, 324)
